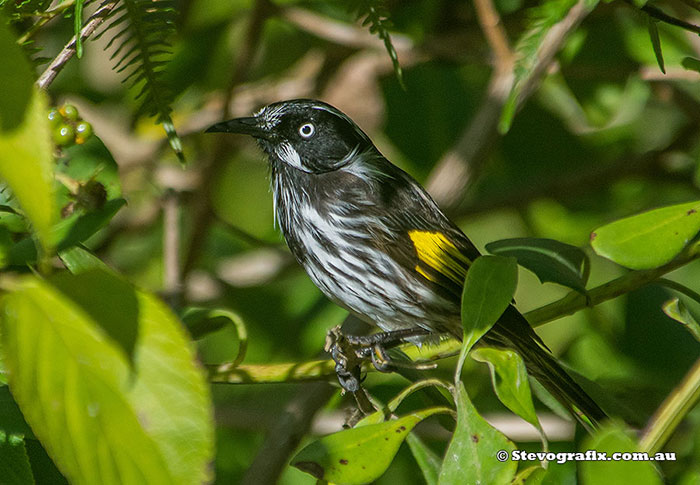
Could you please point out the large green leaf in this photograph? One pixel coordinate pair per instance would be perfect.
(650, 239)
(488, 290)
(16, 79)
(99, 420)
(358, 455)
(614, 439)
(549, 259)
(26, 164)
(510, 382)
(473, 454)
(14, 463)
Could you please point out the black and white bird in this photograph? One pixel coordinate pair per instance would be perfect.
(374, 241)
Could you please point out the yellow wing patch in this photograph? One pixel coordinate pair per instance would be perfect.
(436, 251)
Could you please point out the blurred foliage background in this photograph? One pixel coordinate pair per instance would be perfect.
(603, 133)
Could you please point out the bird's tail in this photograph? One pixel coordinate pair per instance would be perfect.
(513, 331)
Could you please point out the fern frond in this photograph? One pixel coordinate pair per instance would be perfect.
(141, 29)
(374, 14)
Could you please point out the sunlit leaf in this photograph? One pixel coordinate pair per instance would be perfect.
(614, 439)
(676, 310)
(99, 420)
(358, 455)
(549, 259)
(488, 290)
(472, 453)
(14, 463)
(26, 164)
(510, 382)
(650, 239)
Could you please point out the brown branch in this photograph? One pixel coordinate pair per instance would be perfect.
(495, 34)
(172, 276)
(457, 169)
(67, 52)
(201, 206)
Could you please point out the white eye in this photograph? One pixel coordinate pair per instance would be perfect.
(307, 130)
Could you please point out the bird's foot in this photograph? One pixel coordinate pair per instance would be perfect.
(350, 351)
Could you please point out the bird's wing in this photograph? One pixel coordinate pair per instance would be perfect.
(415, 233)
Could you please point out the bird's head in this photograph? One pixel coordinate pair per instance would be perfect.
(306, 134)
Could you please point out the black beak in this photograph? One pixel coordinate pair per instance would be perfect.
(244, 126)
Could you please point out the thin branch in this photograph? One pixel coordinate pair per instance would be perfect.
(201, 207)
(671, 412)
(495, 34)
(46, 17)
(575, 301)
(172, 276)
(662, 16)
(68, 51)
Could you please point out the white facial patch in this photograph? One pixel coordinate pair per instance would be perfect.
(289, 155)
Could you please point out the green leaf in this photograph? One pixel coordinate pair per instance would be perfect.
(16, 79)
(650, 239)
(676, 310)
(488, 290)
(14, 463)
(100, 421)
(610, 439)
(428, 462)
(358, 455)
(109, 300)
(655, 42)
(691, 64)
(68, 232)
(549, 259)
(26, 164)
(203, 321)
(510, 382)
(471, 456)
(78, 260)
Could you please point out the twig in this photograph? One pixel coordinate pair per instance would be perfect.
(172, 276)
(67, 52)
(458, 167)
(286, 433)
(495, 34)
(575, 301)
(659, 14)
(46, 17)
(201, 206)
(671, 412)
